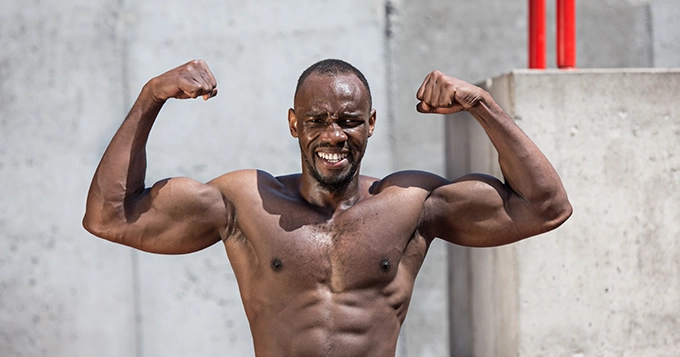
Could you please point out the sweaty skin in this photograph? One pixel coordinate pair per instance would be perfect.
(325, 259)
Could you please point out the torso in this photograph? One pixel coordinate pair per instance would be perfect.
(325, 284)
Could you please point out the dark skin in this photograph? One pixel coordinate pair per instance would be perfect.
(324, 270)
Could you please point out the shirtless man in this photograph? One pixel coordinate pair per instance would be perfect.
(326, 259)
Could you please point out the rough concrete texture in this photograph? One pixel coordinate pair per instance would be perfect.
(611, 34)
(606, 283)
(62, 293)
(69, 73)
(613, 270)
(665, 33)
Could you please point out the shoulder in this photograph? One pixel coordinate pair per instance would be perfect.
(243, 183)
(245, 178)
(234, 181)
(410, 179)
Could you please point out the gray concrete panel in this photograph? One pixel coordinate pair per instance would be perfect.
(613, 34)
(606, 282)
(62, 293)
(665, 32)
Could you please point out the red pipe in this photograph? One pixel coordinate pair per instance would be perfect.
(566, 34)
(537, 34)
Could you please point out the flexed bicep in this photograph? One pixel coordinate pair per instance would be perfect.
(174, 216)
(479, 211)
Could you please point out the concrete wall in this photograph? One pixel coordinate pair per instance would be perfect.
(68, 74)
(70, 71)
(62, 293)
(606, 283)
(665, 33)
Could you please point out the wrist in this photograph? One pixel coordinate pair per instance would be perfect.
(483, 101)
(150, 92)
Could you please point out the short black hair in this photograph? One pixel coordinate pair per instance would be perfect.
(333, 67)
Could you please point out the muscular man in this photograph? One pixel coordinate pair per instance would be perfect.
(325, 259)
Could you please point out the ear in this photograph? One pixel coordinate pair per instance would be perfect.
(371, 123)
(292, 122)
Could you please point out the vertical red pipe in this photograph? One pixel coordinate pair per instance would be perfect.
(566, 34)
(537, 34)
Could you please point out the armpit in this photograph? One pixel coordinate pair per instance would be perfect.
(232, 230)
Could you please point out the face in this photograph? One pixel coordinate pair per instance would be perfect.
(332, 120)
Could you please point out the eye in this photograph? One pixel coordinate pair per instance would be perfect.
(349, 123)
(315, 122)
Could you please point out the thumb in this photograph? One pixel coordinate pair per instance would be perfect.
(448, 110)
(423, 107)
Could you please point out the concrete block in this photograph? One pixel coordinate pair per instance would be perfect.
(606, 282)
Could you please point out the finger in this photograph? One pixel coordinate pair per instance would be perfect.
(206, 74)
(427, 92)
(213, 93)
(207, 78)
(422, 107)
(211, 77)
(206, 87)
(421, 90)
(198, 85)
(436, 92)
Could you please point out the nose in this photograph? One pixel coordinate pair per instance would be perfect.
(333, 134)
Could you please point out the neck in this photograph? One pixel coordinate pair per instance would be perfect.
(330, 201)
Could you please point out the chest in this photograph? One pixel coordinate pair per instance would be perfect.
(361, 247)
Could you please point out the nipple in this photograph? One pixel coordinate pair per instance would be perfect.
(276, 264)
(385, 265)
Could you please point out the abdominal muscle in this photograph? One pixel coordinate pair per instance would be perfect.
(324, 323)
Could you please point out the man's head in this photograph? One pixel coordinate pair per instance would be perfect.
(332, 119)
(333, 67)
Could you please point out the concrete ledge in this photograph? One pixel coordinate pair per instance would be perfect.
(606, 282)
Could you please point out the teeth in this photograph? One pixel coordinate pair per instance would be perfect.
(332, 158)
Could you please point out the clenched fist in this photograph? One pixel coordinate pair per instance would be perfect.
(190, 80)
(444, 94)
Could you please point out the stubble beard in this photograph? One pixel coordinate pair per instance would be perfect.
(335, 183)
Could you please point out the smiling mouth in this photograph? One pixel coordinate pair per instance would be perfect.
(332, 158)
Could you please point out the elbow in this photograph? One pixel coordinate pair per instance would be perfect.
(556, 212)
(95, 226)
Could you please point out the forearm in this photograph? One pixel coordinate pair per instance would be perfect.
(527, 172)
(122, 169)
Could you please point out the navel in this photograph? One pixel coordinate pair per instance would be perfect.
(385, 265)
(276, 264)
